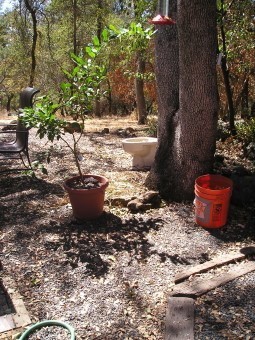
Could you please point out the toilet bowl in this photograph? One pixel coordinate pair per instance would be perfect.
(142, 149)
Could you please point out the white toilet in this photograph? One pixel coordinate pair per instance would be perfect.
(142, 149)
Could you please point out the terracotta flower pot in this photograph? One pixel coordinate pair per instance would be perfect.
(87, 204)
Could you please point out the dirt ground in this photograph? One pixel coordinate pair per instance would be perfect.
(110, 278)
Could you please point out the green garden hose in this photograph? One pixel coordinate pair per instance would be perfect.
(46, 323)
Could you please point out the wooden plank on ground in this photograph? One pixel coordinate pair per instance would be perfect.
(21, 317)
(179, 319)
(6, 323)
(198, 287)
(12, 334)
(223, 259)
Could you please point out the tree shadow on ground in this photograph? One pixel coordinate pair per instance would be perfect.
(19, 183)
(18, 192)
(223, 311)
(96, 243)
(240, 226)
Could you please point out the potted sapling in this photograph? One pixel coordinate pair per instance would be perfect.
(51, 118)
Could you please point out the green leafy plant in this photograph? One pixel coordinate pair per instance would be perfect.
(246, 131)
(76, 97)
(36, 165)
(152, 122)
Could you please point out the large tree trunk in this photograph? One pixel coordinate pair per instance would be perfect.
(188, 99)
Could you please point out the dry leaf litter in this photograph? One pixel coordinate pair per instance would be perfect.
(110, 278)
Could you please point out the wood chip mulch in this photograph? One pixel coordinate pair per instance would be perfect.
(111, 278)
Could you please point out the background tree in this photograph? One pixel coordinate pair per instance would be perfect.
(236, 46)
(32, 7)
(188, 99)
(137, 41)
(14, 59)
(67, 26)
(100, 25)
(224, 67)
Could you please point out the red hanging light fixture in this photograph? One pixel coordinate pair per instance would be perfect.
(163, 19)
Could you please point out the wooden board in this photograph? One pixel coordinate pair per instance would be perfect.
(180, 319)
(12, 334)
(223, 259)
(6, 323)
(21, 317)
(198, 286)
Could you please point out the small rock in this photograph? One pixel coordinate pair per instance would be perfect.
(148, 200)
(133, 205)
(136, 205)
(151, 197)
(105, 131)
(120, 132)
(128, 132)
(119, 201)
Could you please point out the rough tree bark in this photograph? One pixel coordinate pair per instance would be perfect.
(188, 99)
(99, 32)
(9, 99)
(75, 11)
(32, 12)
(225, 70)
(139, 89)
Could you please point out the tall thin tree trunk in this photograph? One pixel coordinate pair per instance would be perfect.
(231, 110)
(9, 99)
(32, 11)
(139, 89)
(75, 9)
(99, 32)
(245, 98)
(225, 71)
(109, 97)
(140, 70)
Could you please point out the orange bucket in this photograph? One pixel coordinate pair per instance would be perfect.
(212, 197)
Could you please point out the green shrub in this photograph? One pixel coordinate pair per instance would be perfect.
(246, 131)
(152, 122)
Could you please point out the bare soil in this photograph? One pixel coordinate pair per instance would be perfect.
(110, 278)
